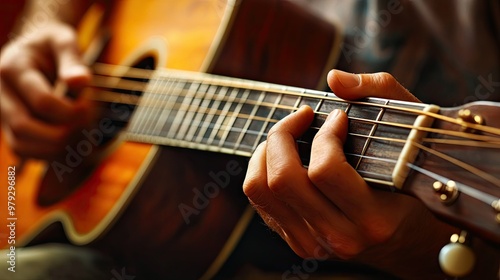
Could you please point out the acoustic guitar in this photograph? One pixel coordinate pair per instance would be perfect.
(156, 183)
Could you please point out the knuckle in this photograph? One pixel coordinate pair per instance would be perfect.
(385, 80)
(325, 170)
(319, 172)
(278, 181)
(274, 132)
(251, 189)
(343, 245)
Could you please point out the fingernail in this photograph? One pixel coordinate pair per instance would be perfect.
(301, 108)
(80, 69)
(75, 71)
(348, 80)
(333, 115)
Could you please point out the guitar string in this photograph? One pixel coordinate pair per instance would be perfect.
(488, 177)
(465, 166)
(110, 70)
(446, 132)
(109, 96)
(470, 191)
(457, 142)
(459, 163)
(477, 172)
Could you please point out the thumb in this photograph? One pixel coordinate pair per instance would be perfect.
(355, 86)
(72, 73)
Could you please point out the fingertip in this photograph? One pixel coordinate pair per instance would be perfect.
(75, 75)
(306, 110)
(336, 115)
(345, 85)
(336, 123)
(347, 80)
(333, 115)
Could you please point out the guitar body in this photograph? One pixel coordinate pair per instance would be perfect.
(159, 211)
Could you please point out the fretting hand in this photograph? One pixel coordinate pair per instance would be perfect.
(328, 209)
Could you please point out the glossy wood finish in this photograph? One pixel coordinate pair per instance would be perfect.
(137, 190)
(271, 39)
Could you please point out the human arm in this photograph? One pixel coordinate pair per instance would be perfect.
(328, 211)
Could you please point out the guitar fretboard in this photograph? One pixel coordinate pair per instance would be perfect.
(233, 116)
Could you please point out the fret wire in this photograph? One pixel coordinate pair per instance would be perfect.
(318, 106)
(286, 107)
(233, 116)
(237, 143)
(167, 95)
(252, 132)
(209, 112)
(398, 108)
(248, 122)
(372, 105)
(299, 100)
(368, 139)
(181, 112)
(386, 104)
(197, 113)
(243, 83)
(297, 103)
(220, 117)
(150, 115)
(348, 108)
(397, 125)
(266, 123)
(146, 119)
(139, 110)
(404, 126)
(227, 127)
(303, 93)
(160, 140)
(225, 81)
(188, 115)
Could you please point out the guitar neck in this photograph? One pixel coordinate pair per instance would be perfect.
(226, 115)
(384, 141)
